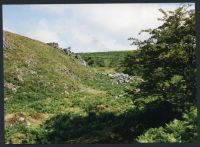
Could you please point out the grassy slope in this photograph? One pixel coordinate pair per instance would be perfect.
(42, 82)
(38, 72)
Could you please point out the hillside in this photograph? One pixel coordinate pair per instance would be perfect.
(42, 83)
(31, 66)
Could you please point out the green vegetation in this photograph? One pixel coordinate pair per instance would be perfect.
(168, 59)
(51, 98)
(106, 61)
(167, 62)
(181, 131)
(42, 82)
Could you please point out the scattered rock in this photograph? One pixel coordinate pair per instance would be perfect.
(116, 97)
(64, 71)
(28, 123)
(6, 98)
(137, 90)
(120, 78)
(73, 54)
(77, 56)
(83, 62)
(119, 96)
(22, 119)
(11, 87)
(5, 42)
(66, 89)
(19, 74)
(32, 72)
(53, 44)
(67, 51)
(30, 62)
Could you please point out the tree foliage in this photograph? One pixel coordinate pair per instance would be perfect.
(168, 58)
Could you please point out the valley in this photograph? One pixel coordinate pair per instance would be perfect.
(148, 95)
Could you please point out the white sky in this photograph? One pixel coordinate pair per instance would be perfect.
(84, 27)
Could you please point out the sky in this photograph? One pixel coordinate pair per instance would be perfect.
(85, 27)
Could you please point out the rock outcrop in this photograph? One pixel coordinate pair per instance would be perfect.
(119, 78)
(68, 52)
(54, 45)
(5, 43)
(83, 62)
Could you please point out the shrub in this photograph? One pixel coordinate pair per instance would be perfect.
(181, 131)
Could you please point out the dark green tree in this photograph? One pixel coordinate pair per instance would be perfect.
(168, 57)
(131, 64)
